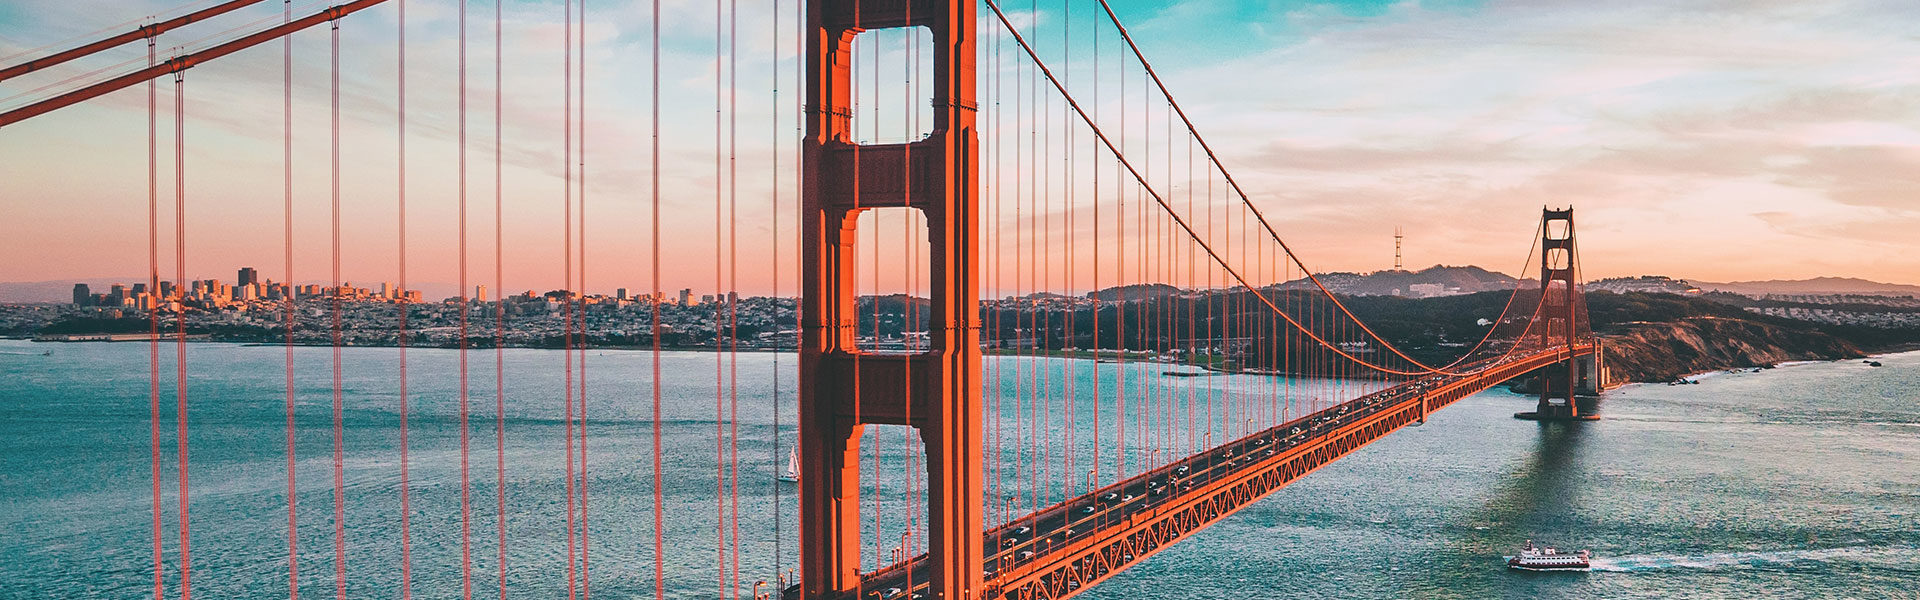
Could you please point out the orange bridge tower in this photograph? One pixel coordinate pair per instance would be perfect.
(844, 389)
(1561, 324)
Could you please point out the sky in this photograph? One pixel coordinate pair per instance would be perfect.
(1713, 140)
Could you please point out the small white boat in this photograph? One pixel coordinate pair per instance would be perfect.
(1547, 558)
(792, 472)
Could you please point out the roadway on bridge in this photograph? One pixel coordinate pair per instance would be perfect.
(1017, 545)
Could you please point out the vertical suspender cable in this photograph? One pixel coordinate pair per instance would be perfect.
(1020, 312)
(719, 356)
(180, 323)
(912, 253)
(1121, 305)
(1043, 388)
(991, 241)
(919, 221)
(853, 121)
(571, 307)
(773, 263)
(659, 539)
(499, 312)
(733, 285)
(799, 170)
(568, 301)
(586, 581)
(1191, 447)
(1098, 299)
(153, 322)
(1211, 312)
(339, 438)
(1068, 331)
(466, 490)
(286, 95)
(1036, 265)
(404, 300)
(879, 502)
(1143, 406)
(1170, 425)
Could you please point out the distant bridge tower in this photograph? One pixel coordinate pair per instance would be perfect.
(843, 389)
(1559, 325)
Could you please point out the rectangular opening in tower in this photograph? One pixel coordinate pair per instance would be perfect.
(892, 85)
(1559, 229)
(893, 495)
(1559, 258)
(893, 258)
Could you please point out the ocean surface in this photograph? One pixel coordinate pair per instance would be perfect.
(1796, 482)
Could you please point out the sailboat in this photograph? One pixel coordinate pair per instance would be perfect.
(792, 473)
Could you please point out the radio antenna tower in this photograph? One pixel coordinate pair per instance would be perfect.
(1397, 234)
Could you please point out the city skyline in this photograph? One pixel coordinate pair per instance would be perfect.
(1692, 143)
(248, 286)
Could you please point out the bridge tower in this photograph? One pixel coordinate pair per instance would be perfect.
(1559, 323)
(843, 389)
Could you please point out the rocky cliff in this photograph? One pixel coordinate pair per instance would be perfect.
(1668, 350)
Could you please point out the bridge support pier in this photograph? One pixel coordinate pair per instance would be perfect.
(1592, 372)
(842, 388)
(1561, 307)
(1562, 386)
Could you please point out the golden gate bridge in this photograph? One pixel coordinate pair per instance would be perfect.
(1008, 176)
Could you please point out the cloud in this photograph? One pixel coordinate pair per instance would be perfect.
(1452, 118)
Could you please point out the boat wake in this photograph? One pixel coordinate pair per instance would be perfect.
(1554, 570)
(1780, 559)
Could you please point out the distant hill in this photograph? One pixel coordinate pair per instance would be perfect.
(1134, 292)
(1656, 284)
(893, 303)
(1817, 285)
(1437, 280)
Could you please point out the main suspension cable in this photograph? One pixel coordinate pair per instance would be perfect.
(1248, 203)
(1182, 222)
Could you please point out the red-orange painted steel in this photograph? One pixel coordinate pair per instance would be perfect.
(1558, 293)
(182, 62)
(938, 176)
(1064, 571)
(1060, 571)
(147, 31)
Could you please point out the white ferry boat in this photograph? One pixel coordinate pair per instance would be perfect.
(1544, 558)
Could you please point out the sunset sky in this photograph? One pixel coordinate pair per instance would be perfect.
(1714, 140)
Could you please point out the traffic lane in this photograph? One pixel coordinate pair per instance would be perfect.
(1047, 526)
(1152, 491)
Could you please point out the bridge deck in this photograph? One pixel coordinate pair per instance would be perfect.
(1058, 551)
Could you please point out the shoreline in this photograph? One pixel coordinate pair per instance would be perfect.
(1100, 357)
(1780, 365)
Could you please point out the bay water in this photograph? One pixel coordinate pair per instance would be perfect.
(1796, 482)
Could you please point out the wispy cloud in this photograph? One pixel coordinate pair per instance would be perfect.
(1668, 125)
